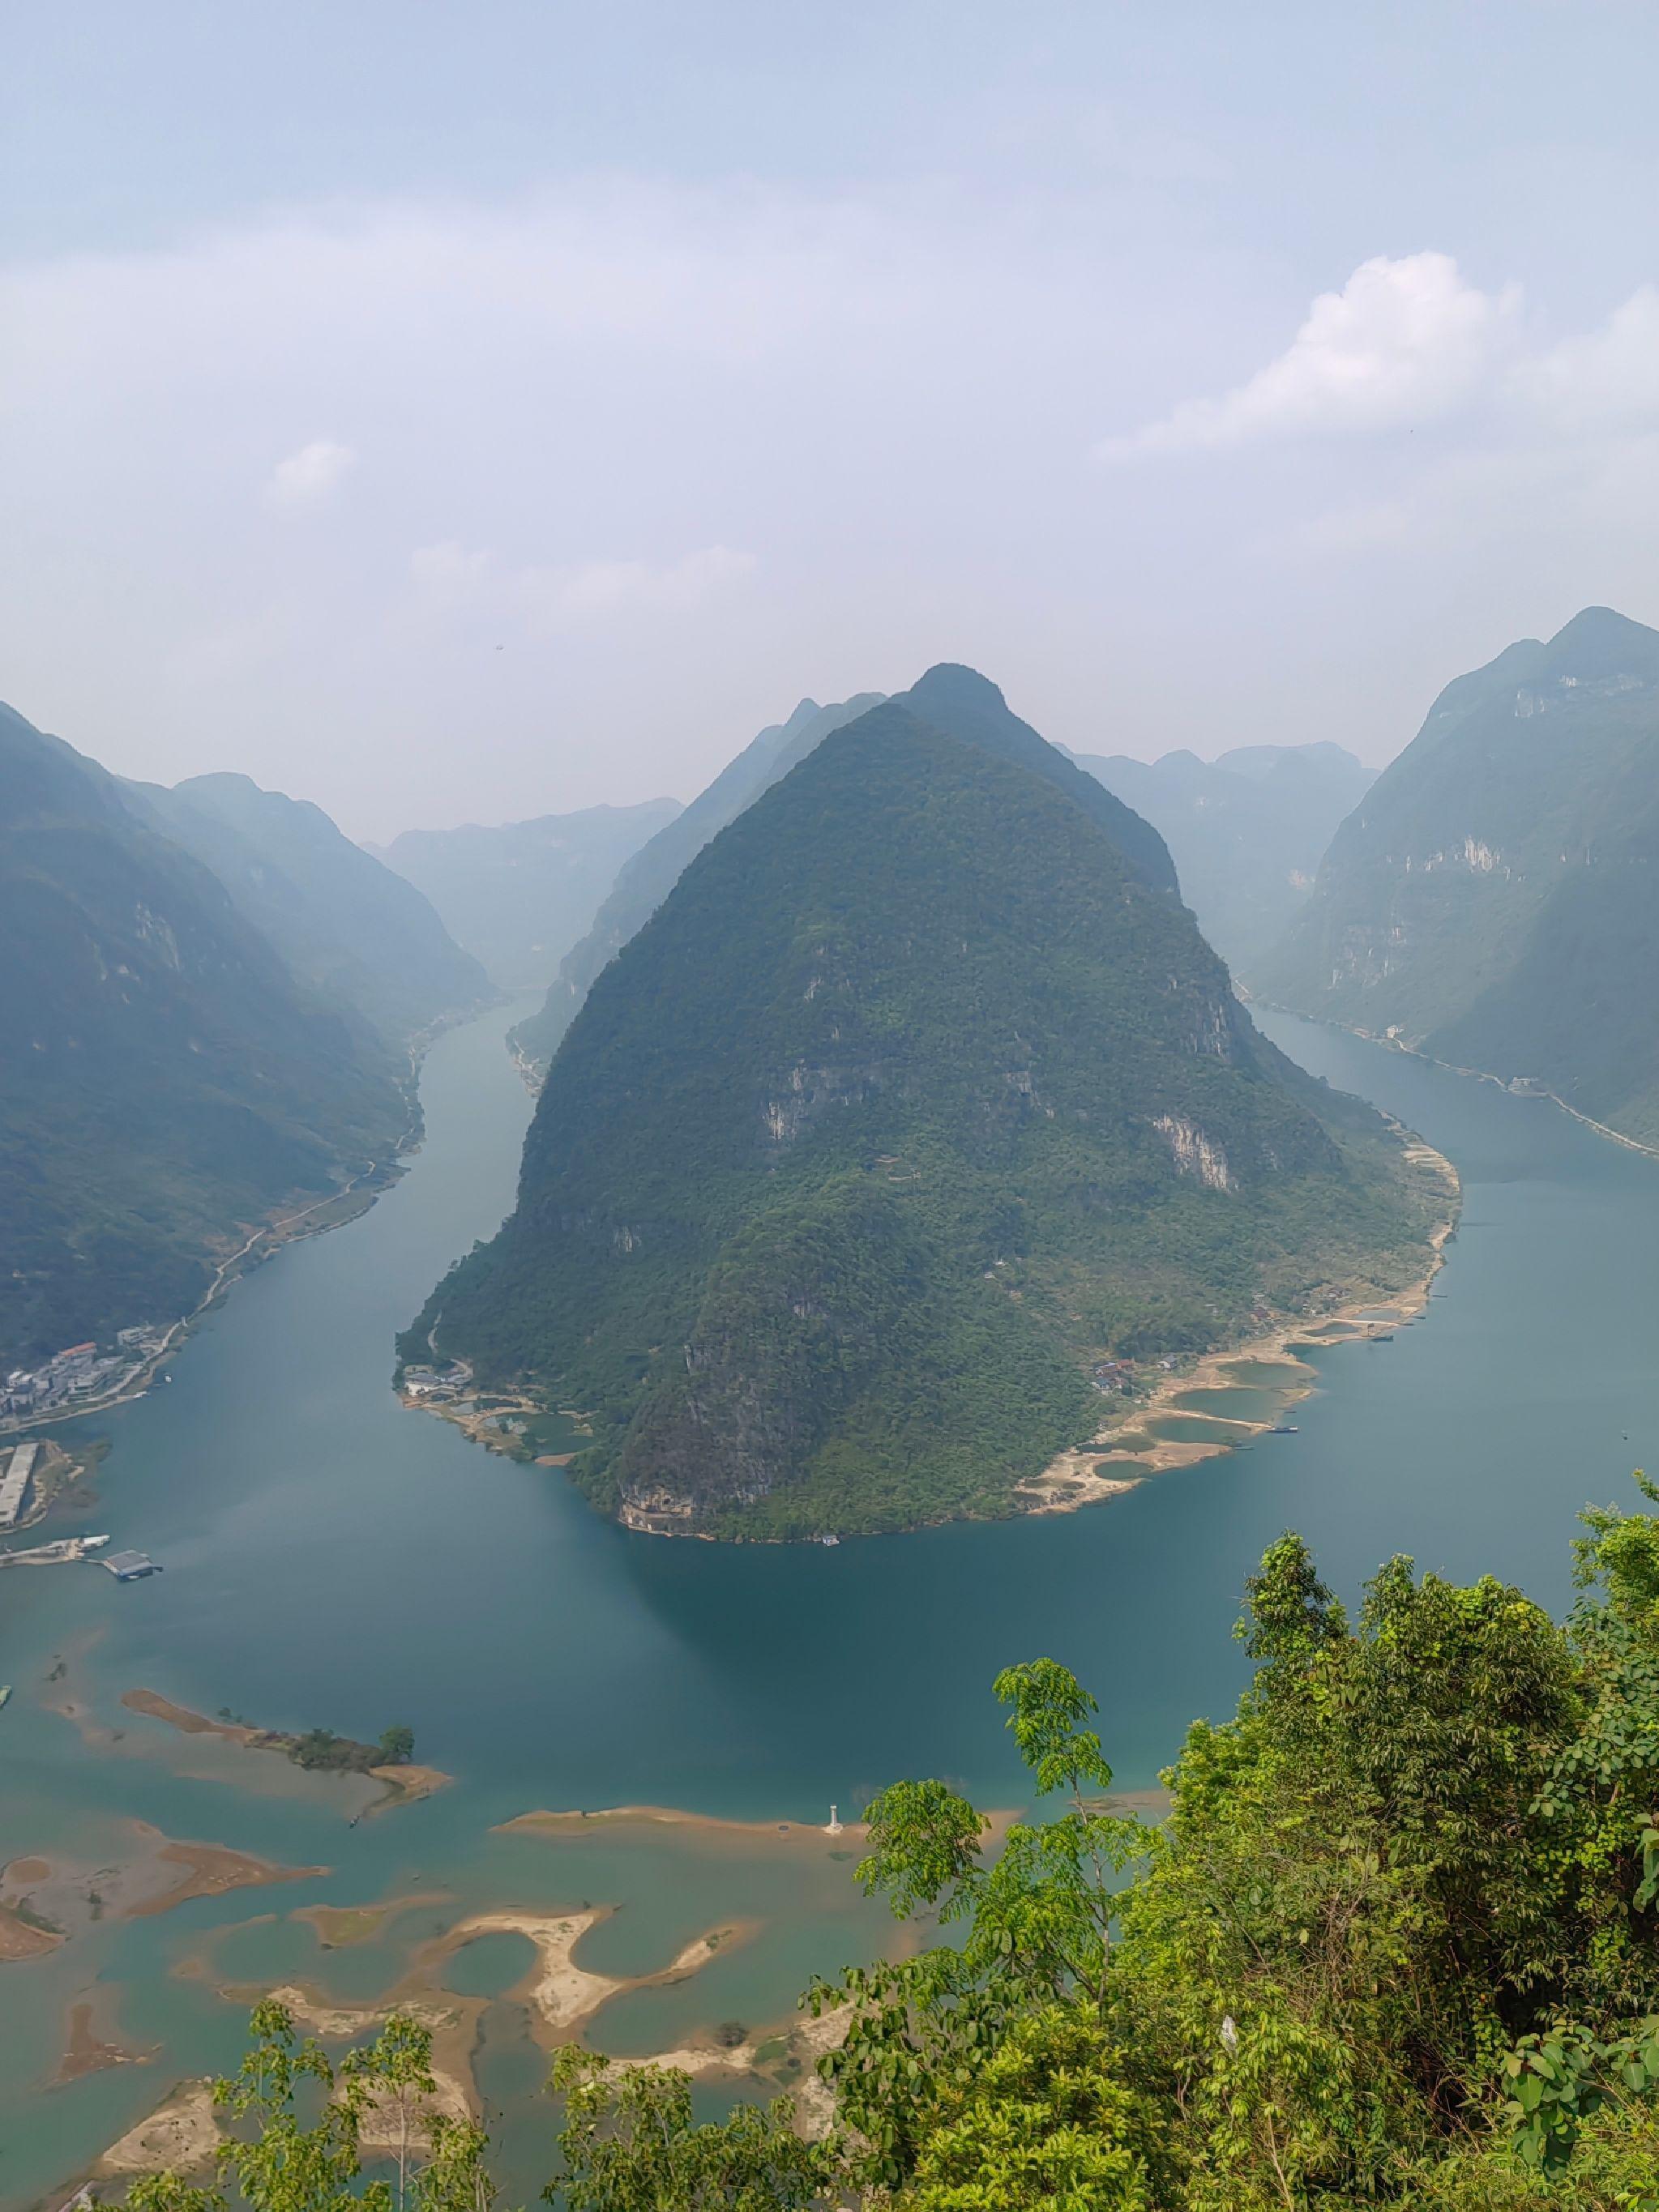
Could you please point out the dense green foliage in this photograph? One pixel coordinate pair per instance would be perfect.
(1495, 898)
(644, 880)
(346, 924)
(519, 896)
(950, 698)
(320, 1748)
(1246, 831)
(164, 1083)
(1396, 1942)
(916, 1096)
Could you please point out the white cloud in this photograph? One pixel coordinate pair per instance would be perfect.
(583, 590)
(450, 574)
(1607, 379)
(307, 478)
(450, 578)
(1404, 342)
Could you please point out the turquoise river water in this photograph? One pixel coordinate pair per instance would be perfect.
(332, 1558)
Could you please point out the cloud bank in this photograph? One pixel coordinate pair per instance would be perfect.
(432, 511)
(1404, 342)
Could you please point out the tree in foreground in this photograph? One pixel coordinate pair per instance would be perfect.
(1396, 1943)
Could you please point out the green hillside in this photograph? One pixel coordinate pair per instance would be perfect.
(915, 1096)
(346, 924)
(1246, 831)
(645, 880)
(1495, 898)
(166, 1083)
(519, 896)
(952, 699)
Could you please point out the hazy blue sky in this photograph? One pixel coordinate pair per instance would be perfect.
(456, 412)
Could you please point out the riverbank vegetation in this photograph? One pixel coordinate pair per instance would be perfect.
(316, 1748)
(1396, 1943)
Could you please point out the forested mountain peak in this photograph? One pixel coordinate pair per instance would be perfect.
(913, 1098)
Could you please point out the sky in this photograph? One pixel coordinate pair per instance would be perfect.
(458, 413)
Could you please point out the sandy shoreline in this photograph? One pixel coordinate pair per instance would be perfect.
(848, 1832)
(1119, 1457)
(1087, 1474)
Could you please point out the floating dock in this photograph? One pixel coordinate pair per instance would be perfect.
(129, 1567)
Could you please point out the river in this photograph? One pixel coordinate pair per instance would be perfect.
(332, 1558)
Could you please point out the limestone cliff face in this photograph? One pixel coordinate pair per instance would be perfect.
(919, 1094)
(1488, 898)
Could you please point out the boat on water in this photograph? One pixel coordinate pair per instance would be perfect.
(1284, 1429)
(828, 1540)
(93, 1543)
(5, 1693)
(1384, 1336)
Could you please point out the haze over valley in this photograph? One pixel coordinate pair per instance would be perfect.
(829, 1109)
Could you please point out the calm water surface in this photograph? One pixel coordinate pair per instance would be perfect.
(332, 1558)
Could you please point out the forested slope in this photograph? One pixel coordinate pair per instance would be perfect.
(1494, 899)
(165, 1082)
(918, 1093)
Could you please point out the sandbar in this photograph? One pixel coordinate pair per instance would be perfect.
(211, 1870)
(403, 1784)
(337, 1926)
(180, 2135)
(562, 1995)
(22, 1939)
(89, 2052)
(670, 1816)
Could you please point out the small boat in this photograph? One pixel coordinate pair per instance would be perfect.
(828, 1540)
(1284, 1429)
(1383, 1336)
(5, 1693)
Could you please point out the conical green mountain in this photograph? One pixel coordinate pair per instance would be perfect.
(954, 699)
(1494, 899)
(164, 1083)
(913, 1098)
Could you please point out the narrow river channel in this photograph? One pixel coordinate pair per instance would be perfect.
(331, 1559)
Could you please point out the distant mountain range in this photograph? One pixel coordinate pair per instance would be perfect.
(1494, 899)
(346, 924)
(166, 1080)
(519, 896)
(919, 1093)
(1246, 831)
